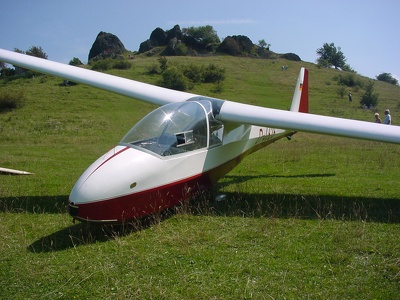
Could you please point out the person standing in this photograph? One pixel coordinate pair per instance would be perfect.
(350, 97)
(388, 118)
(377, 118)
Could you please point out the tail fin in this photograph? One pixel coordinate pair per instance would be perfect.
(300, 96)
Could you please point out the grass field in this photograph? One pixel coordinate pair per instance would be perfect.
(316, 217)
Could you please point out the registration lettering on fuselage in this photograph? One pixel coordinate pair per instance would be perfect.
(265, 135)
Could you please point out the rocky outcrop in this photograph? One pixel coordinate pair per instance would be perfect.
(159, 37)
(106, 45)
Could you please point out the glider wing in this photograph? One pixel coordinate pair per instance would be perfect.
(297, 120)
(123, 86)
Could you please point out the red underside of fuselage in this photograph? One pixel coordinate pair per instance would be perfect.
(140, 204)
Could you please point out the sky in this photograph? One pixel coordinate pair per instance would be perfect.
(366, 31)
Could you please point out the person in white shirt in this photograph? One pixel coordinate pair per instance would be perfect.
(388, 118)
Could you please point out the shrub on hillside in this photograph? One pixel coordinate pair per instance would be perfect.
(11, 100)
(194, 73)
(208, 74)
(102, 65)
(181, 49)
(153, 69)
(122, 65)
(213, 74)
(369, 99)
(174, 79)
(349, 80)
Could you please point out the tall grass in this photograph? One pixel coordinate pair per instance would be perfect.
(315, 217)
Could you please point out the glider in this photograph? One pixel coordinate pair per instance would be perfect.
(13, 172)
(185, 145)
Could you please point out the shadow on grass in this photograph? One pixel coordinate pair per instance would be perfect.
(86, 233)
(35, 204)
(248, 205)
(309, 207)
(321, 207)
(232, 179)
(384, 210)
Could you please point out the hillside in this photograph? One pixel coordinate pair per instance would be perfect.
(315, 217)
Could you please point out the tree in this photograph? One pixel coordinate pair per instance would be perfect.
(202, 35)
(33, 51)
(329, 56)
(75, 62)
(387, 77)
(369, 99)
(37, 52)
(263, 44)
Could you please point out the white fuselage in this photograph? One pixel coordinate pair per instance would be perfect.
(122, 183)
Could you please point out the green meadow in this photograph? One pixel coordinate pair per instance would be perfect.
(317, 217)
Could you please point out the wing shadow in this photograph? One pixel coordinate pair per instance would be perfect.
(234, 179)
(311, 207)
(83, 233)
(35, 204)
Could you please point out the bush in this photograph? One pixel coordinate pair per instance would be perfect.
(181, 49)
(102, 65)
(172, 78)
(153, 69)
(369, 99)
(209, 74)
(11, 100)
(194, 73)
(163, 63)
(213, 74)
(218, 88)
(349, 80)
(122, 65)
(341, 91)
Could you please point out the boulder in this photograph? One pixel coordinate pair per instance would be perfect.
(106, 45)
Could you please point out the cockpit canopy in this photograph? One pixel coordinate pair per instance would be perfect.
(176, 128)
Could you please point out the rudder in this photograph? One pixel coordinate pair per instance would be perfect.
(300, 96)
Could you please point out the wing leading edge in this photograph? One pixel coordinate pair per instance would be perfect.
(131, 88)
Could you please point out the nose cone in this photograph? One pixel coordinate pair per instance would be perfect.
(112, 175)
(126, 183)
(108, 190)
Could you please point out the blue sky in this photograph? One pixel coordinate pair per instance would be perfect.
(367, 31)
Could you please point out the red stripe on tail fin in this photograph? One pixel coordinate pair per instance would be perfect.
(304, 94)
(300, 96)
